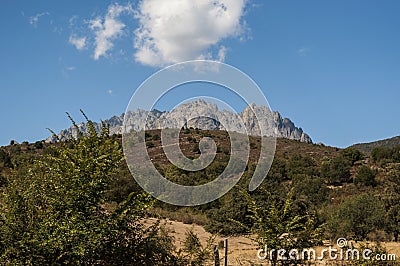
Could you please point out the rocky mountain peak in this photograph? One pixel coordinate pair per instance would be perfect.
(203, 115)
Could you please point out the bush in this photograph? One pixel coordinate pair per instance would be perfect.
(232, 209)
(352, 155)
(5, 159)
(386, 154)
(299, 164)
(356, 217)
(197, 254)
(38, 145)
(365, 176)
(311, 188)
(336, 171)
(53, 212)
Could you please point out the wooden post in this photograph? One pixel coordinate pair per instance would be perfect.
(226, 252)
(216, 256)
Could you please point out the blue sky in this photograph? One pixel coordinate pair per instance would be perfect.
(332, 67)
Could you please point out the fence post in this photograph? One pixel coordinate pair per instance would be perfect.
(216, 256)
(226, 252)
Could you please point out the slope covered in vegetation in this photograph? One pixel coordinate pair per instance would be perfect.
(329, 192)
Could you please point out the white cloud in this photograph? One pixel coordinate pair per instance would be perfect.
(179, 30)
(34, 20)
(70, 68)
(78, 42)
(167, 32)
(110, 92)
(107, 29)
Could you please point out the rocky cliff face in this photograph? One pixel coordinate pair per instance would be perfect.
(202, 115)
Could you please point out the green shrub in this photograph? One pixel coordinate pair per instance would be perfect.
(365, 176)
(356, 217)
(53, 211)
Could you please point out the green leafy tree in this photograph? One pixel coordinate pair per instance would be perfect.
(337, 170)
(391, 199)
(311, 188)
(383, 155)
(55, 212)
(197, 254)
(352, 155)
(366, 176)
(278, 225)
(5, 159)
(38, 145)
(232, 208)
(356, 217)
(300, 164)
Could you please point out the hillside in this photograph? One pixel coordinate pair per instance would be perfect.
(386, 143)
(341, 192)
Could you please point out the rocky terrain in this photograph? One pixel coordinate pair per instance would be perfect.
(203, 115)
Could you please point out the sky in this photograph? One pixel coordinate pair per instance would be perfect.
(332, 67)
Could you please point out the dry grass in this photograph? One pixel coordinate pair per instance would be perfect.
(242, 250)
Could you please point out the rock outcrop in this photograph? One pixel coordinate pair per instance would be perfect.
(203, 115)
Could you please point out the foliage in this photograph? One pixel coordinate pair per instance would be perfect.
(278, 170)
(377, 249)
(384, 155)
(279, 225)
(196, 148)
(53, 213)
(300, 164)
(352, 155)
(197, 254)
(368, 147)
(38, 145)
(5, 159)
(312, 189)
(366, 176)
(356, 217)
(337, 170)
(391, 200)
(232, 207)
(320, 178)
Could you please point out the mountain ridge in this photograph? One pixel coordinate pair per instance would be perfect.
(206, 115)
(369, 146)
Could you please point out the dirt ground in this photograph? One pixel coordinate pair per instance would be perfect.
(241, 249)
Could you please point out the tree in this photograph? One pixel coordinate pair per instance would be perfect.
(312, 188)
(299, 164)
(356, 217)
(38, 145)
(391, 200)
(5, 159)
(197, 254)
(278, 225)
(352, 155)
(336, 171)
(232, 208)
(366, 176)
(55, 213)
(383, 155)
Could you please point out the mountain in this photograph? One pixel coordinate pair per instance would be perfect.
(206, 115)
(368, 147)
